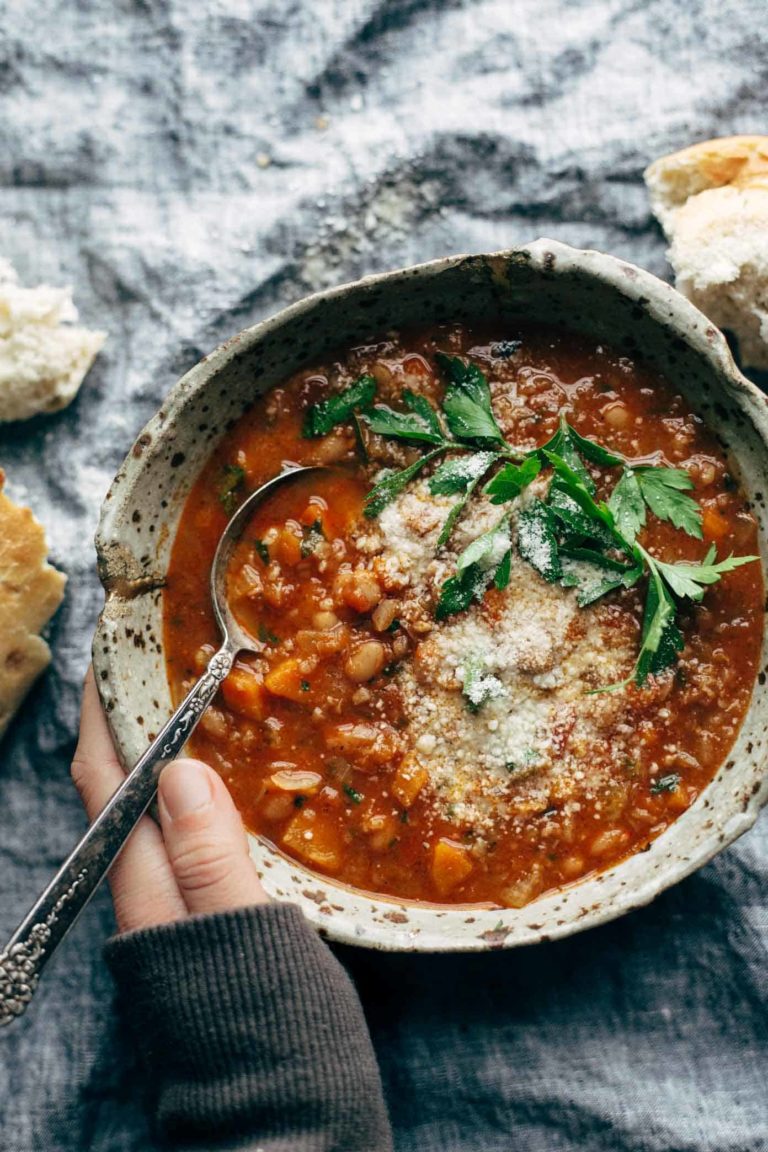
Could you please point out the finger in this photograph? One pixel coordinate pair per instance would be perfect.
(205, 839)
(144, 890)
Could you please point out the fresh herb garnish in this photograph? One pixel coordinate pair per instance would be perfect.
(390, 487)
(320, 418)
(664, 491)
(262, 550)
(312, 536)
(420, 424)
(355, 796)
(565, 532)
(476, 567)
(267, 637)
(304, 685)
(668, 783)
(512, 479)
(503, 349)
(229, 486)
(467, 403)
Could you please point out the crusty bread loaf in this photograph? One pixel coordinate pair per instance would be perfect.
(712, 201)
(30, 592)
(44, 356)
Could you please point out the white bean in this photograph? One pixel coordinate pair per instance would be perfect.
(365, 661)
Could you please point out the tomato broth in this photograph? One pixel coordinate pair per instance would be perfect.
(433, 711)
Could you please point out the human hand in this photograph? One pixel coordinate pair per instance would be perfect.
(196, 862)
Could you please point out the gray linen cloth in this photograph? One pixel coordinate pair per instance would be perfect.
(193, 167)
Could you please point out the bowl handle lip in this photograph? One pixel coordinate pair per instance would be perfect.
(659, 299)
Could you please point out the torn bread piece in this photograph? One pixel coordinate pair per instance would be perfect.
(712, 201)
(44, 355)
(30, 592)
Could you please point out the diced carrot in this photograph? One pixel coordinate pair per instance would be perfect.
(408, 781)
(316, 512)
(713, 524)
(451, 864)
(243, 692)
(314, 839)
(287, 547)
(287, 679)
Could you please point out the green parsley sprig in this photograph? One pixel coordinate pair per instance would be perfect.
(568, 535)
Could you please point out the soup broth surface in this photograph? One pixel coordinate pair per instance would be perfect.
(467, 759)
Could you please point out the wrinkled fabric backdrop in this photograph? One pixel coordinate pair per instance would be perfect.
(193, 167)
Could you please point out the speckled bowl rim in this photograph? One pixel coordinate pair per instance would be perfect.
(348, 915)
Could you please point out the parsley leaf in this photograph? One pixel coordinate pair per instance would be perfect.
(462, 475)
(661, 640)
(458, 592)
(665, 491)
(266, 636)
(628, 506)
(503, 573)
(467, 402)
(353, 794)
(668, 783)
(456, 474)
(262, 550)
(476, 567)
(537, 541)
(562, 445)
(574, 527)
(688, 580)
(592, 451)
(571, 483)
(394, 483)
(229, 486)
(512, 479)
(487, 550)
(320, 418)
(312, 535)
(402, 425)
(603, 575)
(422, 407)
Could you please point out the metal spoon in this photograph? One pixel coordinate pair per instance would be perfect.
(48, 921)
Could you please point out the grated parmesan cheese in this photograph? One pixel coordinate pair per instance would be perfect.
(495, 698)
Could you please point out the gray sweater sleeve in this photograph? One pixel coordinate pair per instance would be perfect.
(251, 1030)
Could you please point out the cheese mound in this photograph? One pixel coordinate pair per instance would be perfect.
(44, 355)
(496, 699)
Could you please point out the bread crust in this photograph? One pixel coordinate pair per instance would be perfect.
(712, 201)
(735, 161)
(44, 354)
(30, 592)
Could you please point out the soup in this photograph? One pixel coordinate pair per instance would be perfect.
(506, 637)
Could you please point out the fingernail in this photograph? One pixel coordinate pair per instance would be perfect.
(185, 787)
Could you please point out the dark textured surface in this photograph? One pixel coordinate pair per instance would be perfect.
(190, 168)
(284, 1053)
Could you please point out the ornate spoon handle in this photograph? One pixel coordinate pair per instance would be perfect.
(42, 930)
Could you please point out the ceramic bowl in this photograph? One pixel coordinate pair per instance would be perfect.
(586, 292)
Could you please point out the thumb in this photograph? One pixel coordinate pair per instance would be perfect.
(205, 840)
